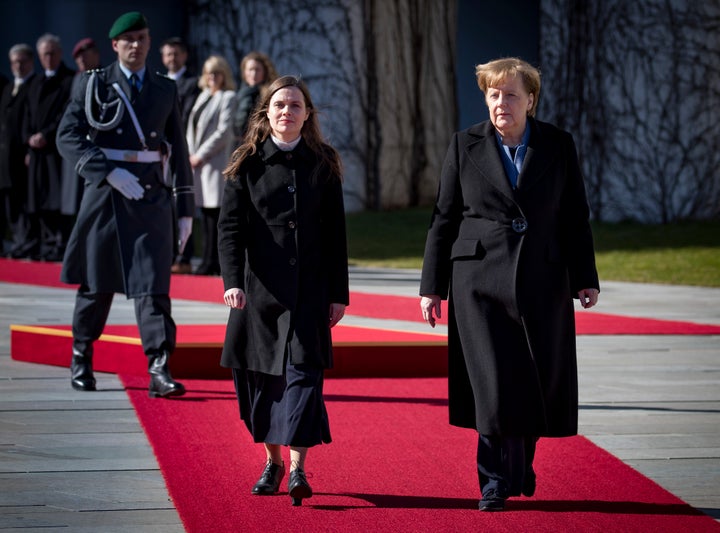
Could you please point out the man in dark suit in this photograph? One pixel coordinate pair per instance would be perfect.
(122, 240)
(13, 171)
(47, 96)
(174, 56)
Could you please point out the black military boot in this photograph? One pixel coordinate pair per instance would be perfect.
(81, 371)
(161, 382)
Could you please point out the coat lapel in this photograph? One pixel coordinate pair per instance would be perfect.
(538, 158)
(484, 155)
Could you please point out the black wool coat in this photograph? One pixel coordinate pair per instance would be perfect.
(282, 240)
(13, 171)
(120, 245)
(511, 262)
(46, 101)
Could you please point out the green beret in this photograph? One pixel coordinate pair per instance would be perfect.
(132, 21)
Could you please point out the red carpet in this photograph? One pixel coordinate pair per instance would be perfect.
(210, 289)
(394, 465)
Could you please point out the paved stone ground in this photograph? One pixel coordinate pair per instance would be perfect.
(81, 461)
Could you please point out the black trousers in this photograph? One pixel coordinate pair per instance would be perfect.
(504, 462)
(152, 313)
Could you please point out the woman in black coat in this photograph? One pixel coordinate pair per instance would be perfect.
(283, 259)
(510, 243)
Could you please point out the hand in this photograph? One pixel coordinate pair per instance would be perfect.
(126, 182)
(235, 298)
(428, 305)
(184, 232)
(337, 311)
(588, 297)
(37, 141)
(195, 161)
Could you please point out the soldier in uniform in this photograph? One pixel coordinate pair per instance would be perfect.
(123, 130)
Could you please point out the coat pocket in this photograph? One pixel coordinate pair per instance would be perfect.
(467, 249)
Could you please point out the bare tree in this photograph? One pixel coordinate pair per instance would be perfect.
(381, 70)
(632, 81)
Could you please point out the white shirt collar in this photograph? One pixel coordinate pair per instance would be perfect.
(285, 147)
(140, 73)
(177, 75)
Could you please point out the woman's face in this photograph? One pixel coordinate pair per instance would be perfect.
(287, 113)
(508, 103)
(215, 80)
(254, 72)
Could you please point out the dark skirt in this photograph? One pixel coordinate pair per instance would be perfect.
(287, 410)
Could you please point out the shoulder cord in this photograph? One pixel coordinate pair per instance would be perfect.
(91, 92)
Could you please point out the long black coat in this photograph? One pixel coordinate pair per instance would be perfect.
(188, 91)
(47, 98)
(121, 245)
(13, 171)
(511, 262)
(282, 240)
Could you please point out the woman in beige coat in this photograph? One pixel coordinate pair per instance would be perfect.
(210, 143)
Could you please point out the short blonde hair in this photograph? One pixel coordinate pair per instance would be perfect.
(492, 73)
(217, 64)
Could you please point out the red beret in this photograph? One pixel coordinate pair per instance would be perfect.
(82, 45)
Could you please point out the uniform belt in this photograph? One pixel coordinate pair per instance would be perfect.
(133, 156)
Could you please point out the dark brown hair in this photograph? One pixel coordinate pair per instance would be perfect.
(270, 72)
(259, 130)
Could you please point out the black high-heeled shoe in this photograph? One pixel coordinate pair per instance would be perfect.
(298, 487)
(269, 482)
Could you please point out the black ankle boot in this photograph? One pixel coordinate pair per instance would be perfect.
(298, 487)
(81, 371)
(161, 382)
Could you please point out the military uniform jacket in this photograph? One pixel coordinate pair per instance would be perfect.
(511, 260)
(47, 98)
(282, 240)
(121, 245)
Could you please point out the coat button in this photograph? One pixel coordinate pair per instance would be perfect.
(292, 261)
(519, 225)
(148, 186)
(118, 131)
(288, 156)
(291, 189)
(291, 225)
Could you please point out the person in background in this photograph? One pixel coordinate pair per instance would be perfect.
(48, 95)
(256, 72)
(122, 241)
(283, 258)
(510, 242)
(13, 151)
(174, 55)
(210, 143)
(87, 57)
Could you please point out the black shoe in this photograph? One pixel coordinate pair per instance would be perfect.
(492, 500)
(269, 482)
(162, 384)
(298, 487)
(81, 371)
(529, 483)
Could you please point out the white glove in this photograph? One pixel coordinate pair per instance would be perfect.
(184, 231)
(126, 182)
